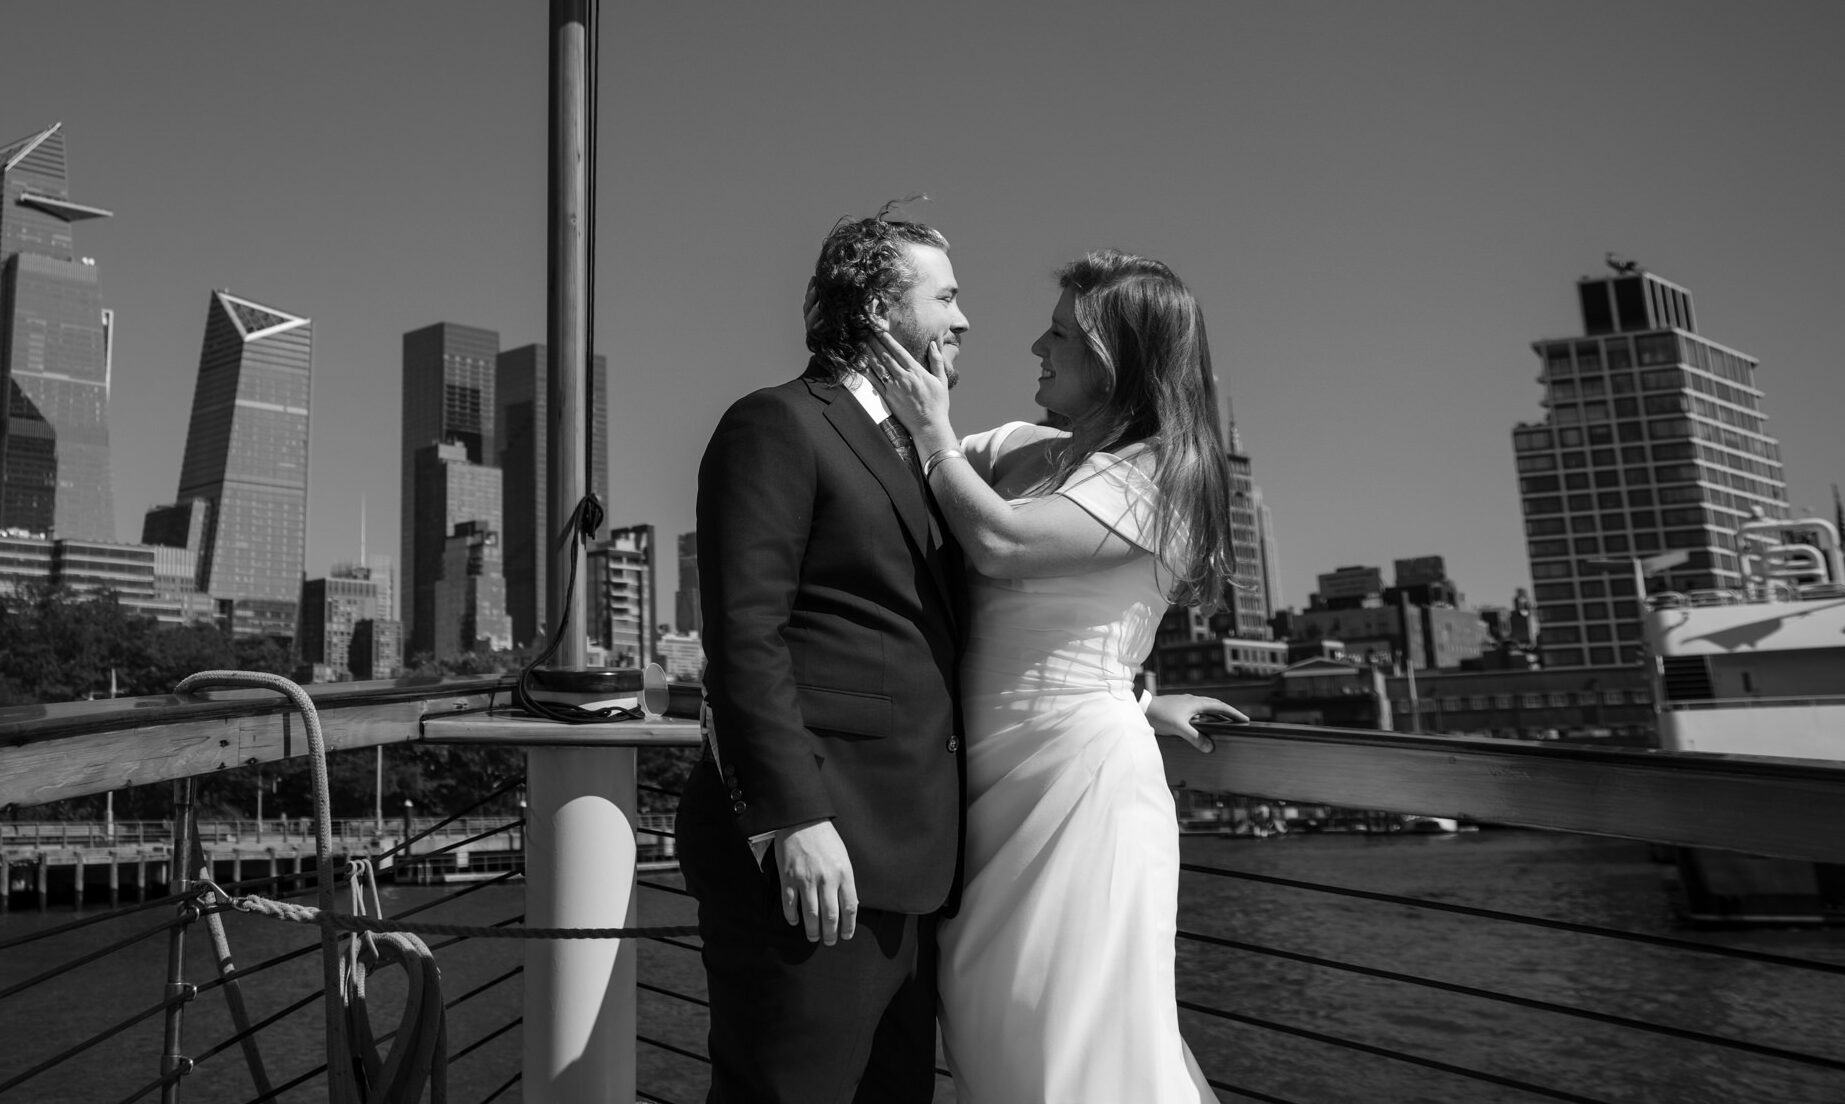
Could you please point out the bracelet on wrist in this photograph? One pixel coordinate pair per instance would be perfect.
(936, 457)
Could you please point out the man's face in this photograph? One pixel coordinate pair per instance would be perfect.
(930, 310)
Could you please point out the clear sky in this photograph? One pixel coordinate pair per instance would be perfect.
(1380, 205)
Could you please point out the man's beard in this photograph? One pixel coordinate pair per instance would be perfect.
(918, 346)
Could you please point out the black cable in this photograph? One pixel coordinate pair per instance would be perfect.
(592, 29)
(583, 523)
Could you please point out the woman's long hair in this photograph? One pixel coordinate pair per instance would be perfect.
(1146, 339)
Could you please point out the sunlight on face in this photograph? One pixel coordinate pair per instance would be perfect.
(1069, 380)
(930, 310)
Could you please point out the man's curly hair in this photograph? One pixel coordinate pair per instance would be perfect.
(861, 260)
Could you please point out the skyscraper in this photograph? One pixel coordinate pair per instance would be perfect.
(247, 458)
(526, 530)
(54, 353)
(454, 495)
(1249, 617)
(470, 596)
(1653, 449)
(448, 387)
(373, 645)
(331, 611)
(621, 596)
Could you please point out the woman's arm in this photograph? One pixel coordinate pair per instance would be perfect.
(1027, 540)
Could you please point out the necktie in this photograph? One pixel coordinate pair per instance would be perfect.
(900, 440)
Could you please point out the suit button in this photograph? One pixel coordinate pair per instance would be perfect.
(738, 808)
(736, 793)
(954, 743)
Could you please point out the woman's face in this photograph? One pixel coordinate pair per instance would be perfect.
(1069, 381)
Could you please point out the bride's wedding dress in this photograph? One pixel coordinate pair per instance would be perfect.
(1057, 973)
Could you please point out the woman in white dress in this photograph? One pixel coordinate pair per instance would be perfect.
(1056, 977)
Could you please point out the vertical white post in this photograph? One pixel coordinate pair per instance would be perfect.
(579, 873)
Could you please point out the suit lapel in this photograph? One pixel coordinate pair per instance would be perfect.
(874, 450)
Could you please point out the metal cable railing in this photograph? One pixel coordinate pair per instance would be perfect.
(1609, 1019)
(1386, 1052)
(1702, 1038)
(276, 884)
(1475, 911)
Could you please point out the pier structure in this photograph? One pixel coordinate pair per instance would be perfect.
(46, 863)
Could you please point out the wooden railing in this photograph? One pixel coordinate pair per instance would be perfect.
(1779, 807)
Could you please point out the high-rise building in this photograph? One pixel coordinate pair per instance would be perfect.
(621, 603)
(1250, 601)
(331, 611)
(470, 595)
(688, 615)
(54, 353)
(347, 623)
(527, 534)
(177, 535)
(451, 492)
(448, 384)
(247, 460)
(1653, 449)
(381, 570)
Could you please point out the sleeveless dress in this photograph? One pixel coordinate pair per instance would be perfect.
(1056, 975)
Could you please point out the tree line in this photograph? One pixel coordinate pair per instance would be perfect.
(60, 645)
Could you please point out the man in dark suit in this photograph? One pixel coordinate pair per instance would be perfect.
(821, 832)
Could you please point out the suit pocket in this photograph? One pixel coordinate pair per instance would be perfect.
(848, 711)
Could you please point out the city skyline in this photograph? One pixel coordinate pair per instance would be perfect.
(1374, 243)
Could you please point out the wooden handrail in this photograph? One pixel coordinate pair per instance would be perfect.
(1786, 808)
(1791, 808)
(72, 749)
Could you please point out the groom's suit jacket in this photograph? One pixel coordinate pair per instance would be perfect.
(832, 595)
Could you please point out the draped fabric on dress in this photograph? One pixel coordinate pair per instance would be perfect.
(1056, 979)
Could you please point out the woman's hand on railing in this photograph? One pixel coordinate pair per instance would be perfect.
(1173, 714)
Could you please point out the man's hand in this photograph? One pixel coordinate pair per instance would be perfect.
(810, 306)
(1172, 715)
(818, 891)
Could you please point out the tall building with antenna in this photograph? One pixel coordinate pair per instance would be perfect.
(1653, 449)
(55, 345)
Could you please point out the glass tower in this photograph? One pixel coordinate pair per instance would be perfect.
(1653, 450)
(448, 377)
(247, 455)
(54, 353)
(523, 436)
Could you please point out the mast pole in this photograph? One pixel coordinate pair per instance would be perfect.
(567, 321)
(580, 1002)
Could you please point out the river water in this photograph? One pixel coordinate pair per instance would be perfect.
(1600, 882)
